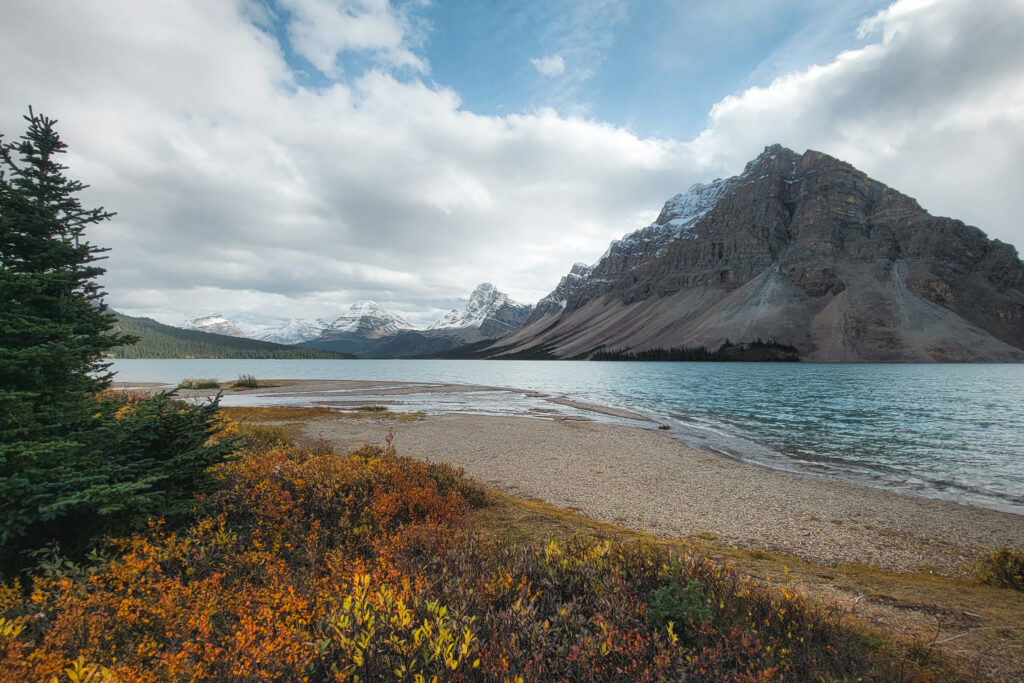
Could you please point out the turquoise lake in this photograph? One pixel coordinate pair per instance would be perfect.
(946, 431)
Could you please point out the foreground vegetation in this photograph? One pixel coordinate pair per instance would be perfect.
(303, 564)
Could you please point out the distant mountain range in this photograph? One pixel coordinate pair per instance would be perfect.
(164, 341)
(368, 330)
(801, 255)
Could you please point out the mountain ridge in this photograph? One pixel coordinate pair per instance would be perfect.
(157, 340)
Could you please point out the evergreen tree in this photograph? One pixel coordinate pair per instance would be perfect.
(54, 327)
(76, 465)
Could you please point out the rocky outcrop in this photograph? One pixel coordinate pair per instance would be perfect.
(801, 248)
(570, 284)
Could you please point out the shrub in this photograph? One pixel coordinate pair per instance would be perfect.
(327, 567)
(245, 382)
(682, 604)
(143, 456)
(1003, 568)
(199, 384)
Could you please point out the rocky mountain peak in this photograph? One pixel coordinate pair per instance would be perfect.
(293, 331)
(366, 319)
(489, 313)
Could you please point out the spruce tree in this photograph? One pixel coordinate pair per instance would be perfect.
(54, 328)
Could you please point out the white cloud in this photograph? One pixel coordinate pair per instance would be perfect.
(231, 179)
(240, 191)
(551, 65)
(320, 29)
(934, 107)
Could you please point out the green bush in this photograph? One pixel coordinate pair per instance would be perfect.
(682, 604)
(143, 457)
(199, 384)
(245, 382)
(1003, 568)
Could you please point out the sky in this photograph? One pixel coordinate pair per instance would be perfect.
(276, 159)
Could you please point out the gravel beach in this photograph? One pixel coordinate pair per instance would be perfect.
(641, 478)
(644, 480)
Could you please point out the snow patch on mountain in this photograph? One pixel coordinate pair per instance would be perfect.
(489, 314)
(677, 218)
(293, 331)
(367, 319)
(486, 300)
(214, 323)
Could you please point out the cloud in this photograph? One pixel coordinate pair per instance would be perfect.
(932, 106)
(321, 29)
(552, 65)
(231, 178)
(242, 191)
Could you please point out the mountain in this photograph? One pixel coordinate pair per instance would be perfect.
(163, 341)
(214, 323)
(555, 302)
(366, 320)
(368, 330)
(488, 315)
(799, 248)
(293, 331)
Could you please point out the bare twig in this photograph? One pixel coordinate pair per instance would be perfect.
(972, 630)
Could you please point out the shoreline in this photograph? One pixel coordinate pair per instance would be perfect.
(617, 471)
(646, 481)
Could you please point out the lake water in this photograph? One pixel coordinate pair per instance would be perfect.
(946, 431)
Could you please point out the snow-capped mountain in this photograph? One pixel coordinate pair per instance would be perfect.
(488, 315)
(293, 331)
(214, 323)
(366, 319)
(679, 214)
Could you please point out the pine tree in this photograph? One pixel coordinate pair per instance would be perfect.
(54, 328)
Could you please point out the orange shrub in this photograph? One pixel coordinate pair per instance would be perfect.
(323, 567)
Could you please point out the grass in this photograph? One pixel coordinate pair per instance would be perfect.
(242, 383)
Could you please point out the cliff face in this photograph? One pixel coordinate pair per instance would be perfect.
(802, 248)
